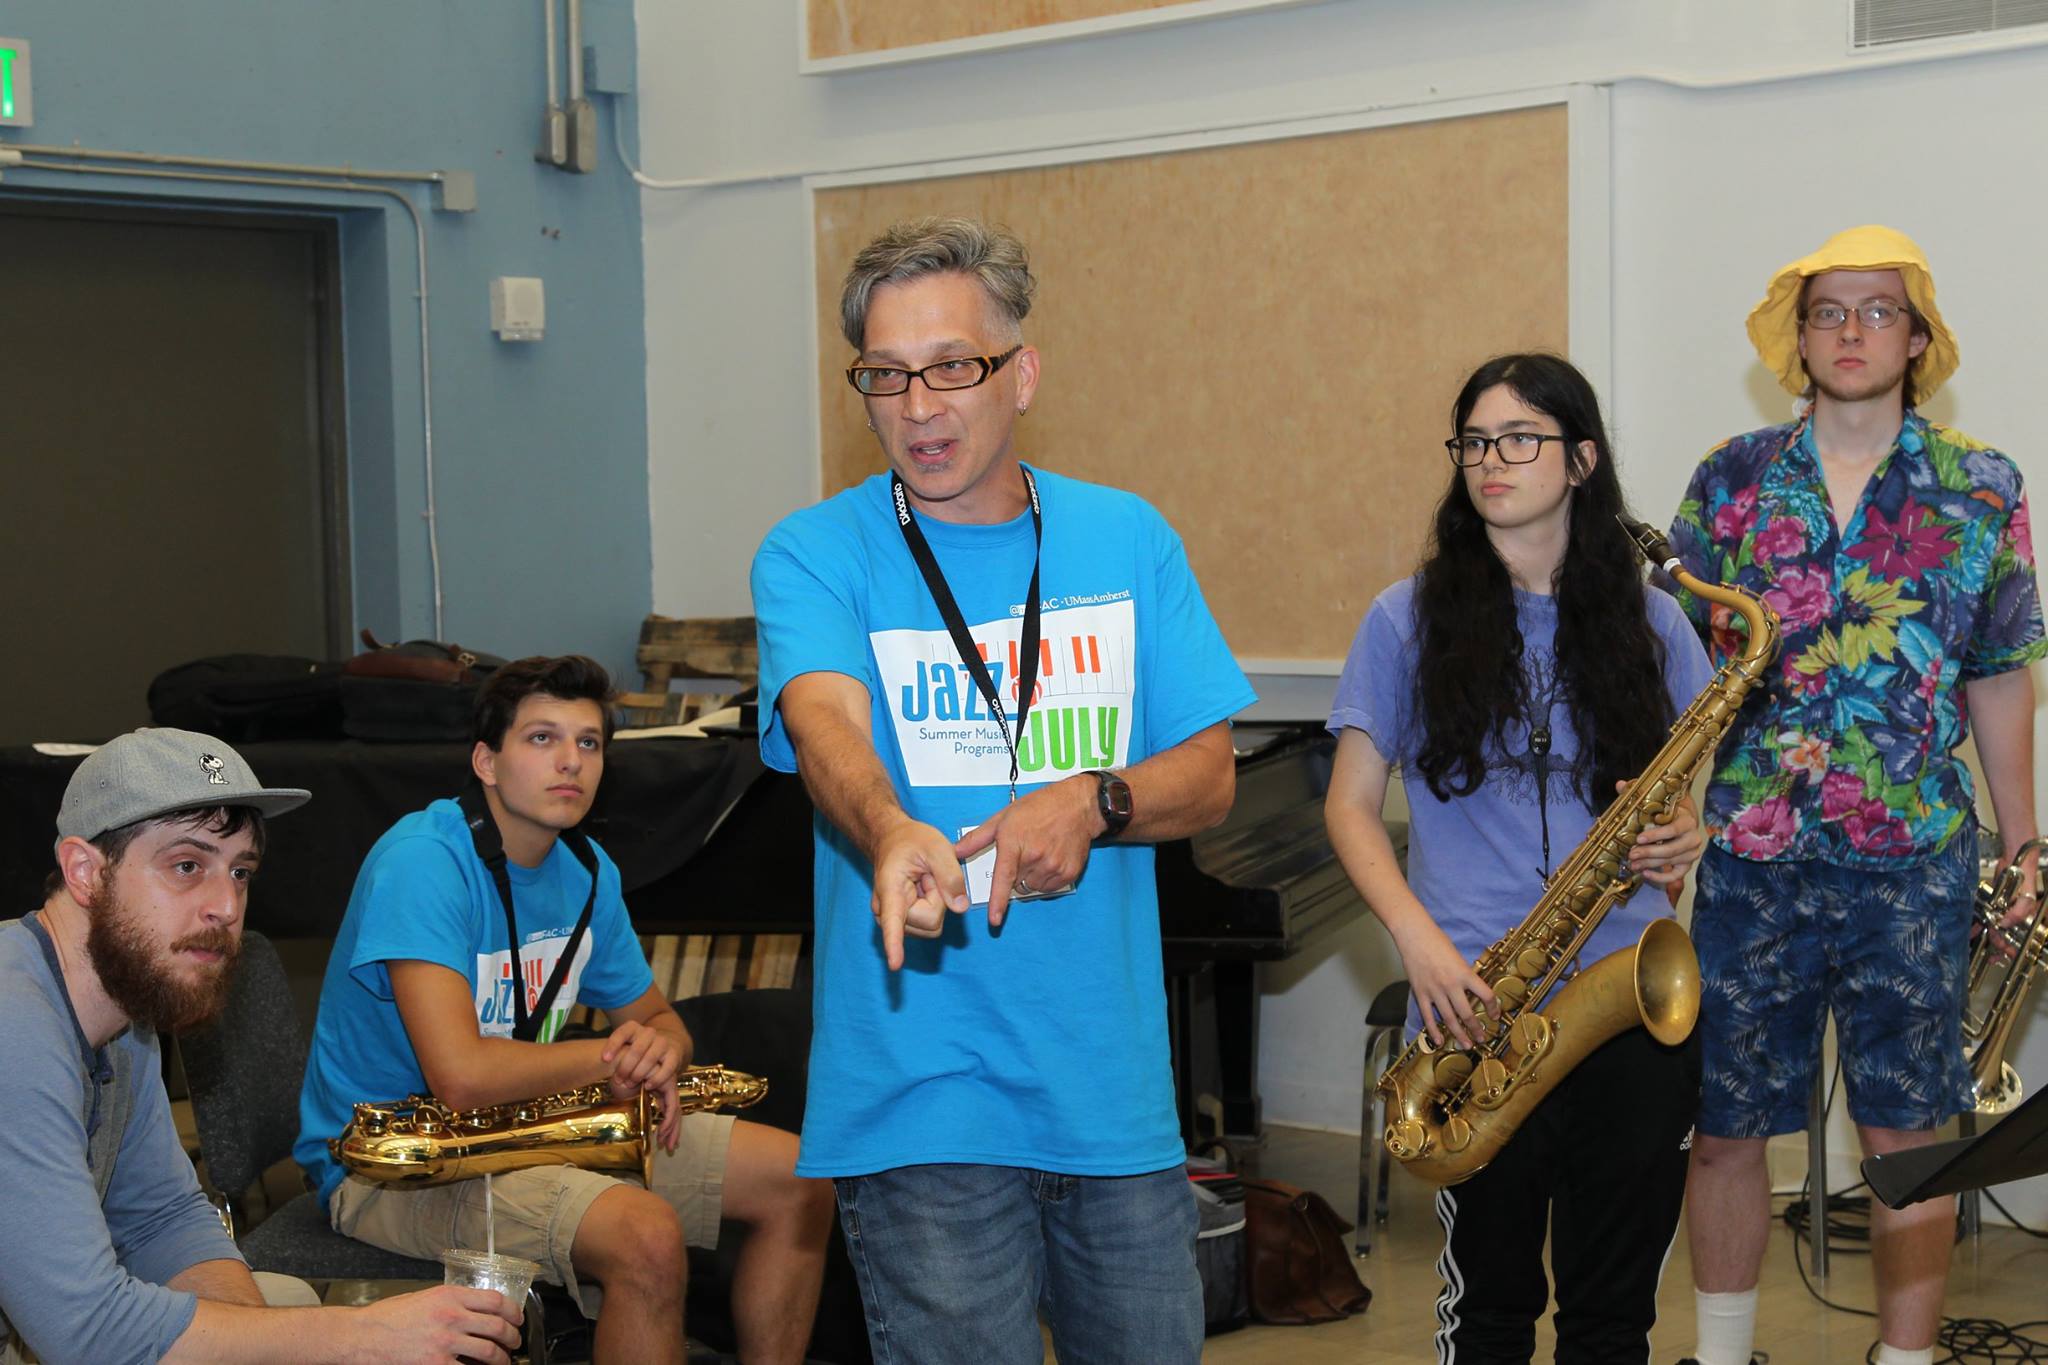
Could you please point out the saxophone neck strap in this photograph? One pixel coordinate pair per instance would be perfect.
(490, 850)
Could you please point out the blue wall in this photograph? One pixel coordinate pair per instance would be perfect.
(540, 449)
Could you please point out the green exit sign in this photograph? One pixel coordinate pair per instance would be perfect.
(17, 105)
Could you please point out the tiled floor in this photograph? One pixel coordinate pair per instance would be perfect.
(2005, 1277)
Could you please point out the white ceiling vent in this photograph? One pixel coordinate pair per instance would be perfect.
(1878, 23)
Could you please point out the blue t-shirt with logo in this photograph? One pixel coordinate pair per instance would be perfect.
(1476, 861)
(1043, 1045)
(423, 895)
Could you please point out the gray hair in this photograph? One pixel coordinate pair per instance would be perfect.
(917, 247)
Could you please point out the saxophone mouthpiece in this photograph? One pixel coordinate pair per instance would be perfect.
(1649, 542)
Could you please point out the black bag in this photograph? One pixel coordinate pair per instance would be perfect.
(1220, 1253)
(248, 698)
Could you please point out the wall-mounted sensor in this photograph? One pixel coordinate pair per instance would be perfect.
(519, 308)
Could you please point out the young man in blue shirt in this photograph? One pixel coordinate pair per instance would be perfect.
(990, 1080)
(424, 993)
(113, 1252)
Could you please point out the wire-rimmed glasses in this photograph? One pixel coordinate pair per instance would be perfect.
(1827, 317)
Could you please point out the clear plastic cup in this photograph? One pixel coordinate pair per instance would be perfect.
(509, 1275)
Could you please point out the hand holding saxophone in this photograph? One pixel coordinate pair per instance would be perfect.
(643, 1057)
(1451, 997)
(1664, 853)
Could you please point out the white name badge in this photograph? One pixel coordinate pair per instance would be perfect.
(980, 870)
(981, 877)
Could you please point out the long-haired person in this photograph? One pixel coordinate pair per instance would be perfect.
(1519, 679)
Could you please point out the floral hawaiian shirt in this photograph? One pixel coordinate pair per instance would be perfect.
(1847, 755)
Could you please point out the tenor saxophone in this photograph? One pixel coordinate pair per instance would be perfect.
(1450, 1109)
(420, 1141)
(2017, 952)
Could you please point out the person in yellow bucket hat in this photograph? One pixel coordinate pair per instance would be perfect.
(1842, 865)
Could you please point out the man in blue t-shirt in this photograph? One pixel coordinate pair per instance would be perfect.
(425, 993)
(1000, 686)
(112, 1252)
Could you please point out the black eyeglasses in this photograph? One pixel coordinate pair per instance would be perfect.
(880, 381)
(1826, 317)
(1515, 447)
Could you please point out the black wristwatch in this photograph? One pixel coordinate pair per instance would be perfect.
(1112, 801)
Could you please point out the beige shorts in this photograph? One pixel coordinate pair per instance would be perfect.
(537, 1209)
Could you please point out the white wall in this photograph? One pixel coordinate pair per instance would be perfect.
(1713, 189)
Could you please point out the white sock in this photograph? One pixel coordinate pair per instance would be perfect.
(1727, 1327)
(1897, 1355)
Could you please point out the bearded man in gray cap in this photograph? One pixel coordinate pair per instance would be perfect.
(113, 1251)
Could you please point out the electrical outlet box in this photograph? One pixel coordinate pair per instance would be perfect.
(519, 308)
(582, 137)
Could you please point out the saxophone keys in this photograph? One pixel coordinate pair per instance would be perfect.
(1531, 962)
(1490, 1083)
(1457, 1134)
(1530, 1036)
(1407, 1139)
(1510, 991)
(1452, 1069)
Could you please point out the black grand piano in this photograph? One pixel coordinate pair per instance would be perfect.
(708, 842)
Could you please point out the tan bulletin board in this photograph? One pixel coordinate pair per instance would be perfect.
(844, 28)
(1263, 340)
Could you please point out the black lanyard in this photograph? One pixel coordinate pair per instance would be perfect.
(956, 625)
(490, 847)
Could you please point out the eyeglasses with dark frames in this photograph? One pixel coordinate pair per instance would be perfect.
(1827, 317)
(1515, 447)
(882, 381)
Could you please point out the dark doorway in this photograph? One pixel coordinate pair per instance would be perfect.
(170, 432)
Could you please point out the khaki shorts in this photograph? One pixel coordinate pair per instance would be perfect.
(538, 1209)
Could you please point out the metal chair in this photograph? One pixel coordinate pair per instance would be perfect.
(244, 1069)
(1385, 1021)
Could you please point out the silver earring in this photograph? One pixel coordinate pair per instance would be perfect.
(871, 424)
(1022, 408)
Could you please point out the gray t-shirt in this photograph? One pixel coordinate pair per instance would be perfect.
(99, 1205)
(1474, 861)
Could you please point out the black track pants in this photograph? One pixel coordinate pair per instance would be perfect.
(1600, 1165)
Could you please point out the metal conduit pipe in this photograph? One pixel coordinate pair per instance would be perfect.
(225, 164)
(547, 13)
(419, 232)
(575, 51)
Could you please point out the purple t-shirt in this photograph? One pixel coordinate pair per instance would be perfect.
(1474, 861)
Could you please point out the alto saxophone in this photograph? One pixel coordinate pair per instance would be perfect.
(420, 1141)
(2023, 948)
(1450, 1110)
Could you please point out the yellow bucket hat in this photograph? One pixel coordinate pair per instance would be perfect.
(1774, 323)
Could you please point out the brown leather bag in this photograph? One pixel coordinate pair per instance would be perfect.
(1300, 1266)
(420, 661)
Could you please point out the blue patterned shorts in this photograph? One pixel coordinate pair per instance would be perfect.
(1782, 944)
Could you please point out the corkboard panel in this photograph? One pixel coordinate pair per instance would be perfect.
(1263, 340)
(844, 28)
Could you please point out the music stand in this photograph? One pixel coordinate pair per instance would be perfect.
(2013, 1149)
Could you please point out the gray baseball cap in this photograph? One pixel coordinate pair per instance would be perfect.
(151, 772)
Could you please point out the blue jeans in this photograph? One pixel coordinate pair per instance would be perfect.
(957, 1262)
